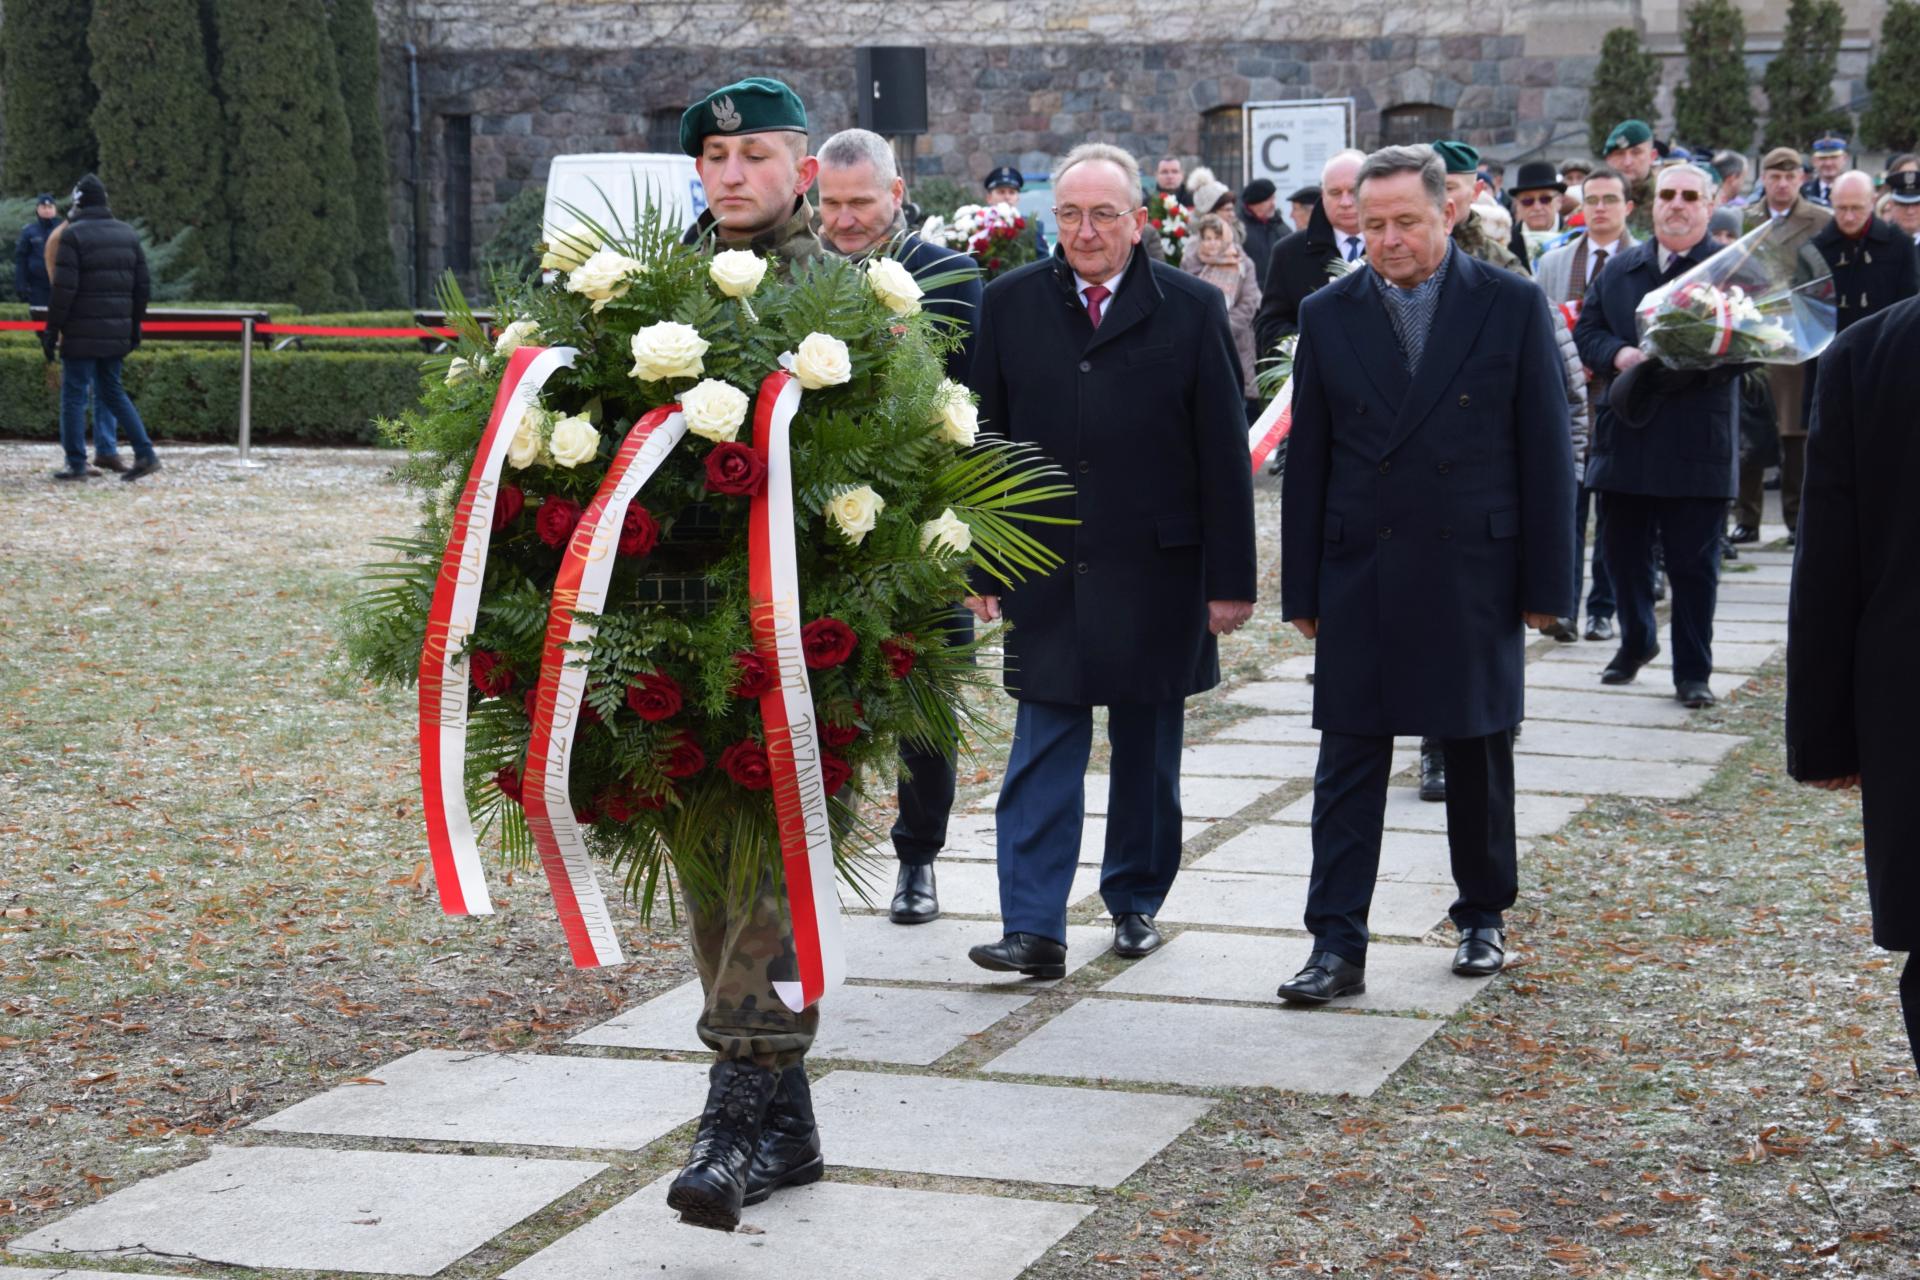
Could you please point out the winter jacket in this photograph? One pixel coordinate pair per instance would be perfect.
(99, 290)
(30, 261)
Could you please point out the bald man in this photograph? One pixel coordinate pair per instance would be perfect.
(1874, 264)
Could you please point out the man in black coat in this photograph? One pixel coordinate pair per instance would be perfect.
(1427, 521)
(30, 253)
(1304, 261)
(1122, 370)
(98, 298)
(1673, 473)
(1874, 265)
(1851, 697)
(1260, 225)
(860, 193)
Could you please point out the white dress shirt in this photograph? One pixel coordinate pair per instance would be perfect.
(1594, 249)
(1081, 284)
(1353, 248)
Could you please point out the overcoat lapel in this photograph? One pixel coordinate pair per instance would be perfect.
(1139, 294)
(1465, 298)
(1370, 335)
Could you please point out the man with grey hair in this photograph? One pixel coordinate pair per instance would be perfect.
(1731, 167)
(1427, 523)
(860, 194)
(1304, 261)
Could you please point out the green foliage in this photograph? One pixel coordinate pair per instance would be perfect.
(1892, 118)
(511, 255)
(46, 94)
(169, 262)
(288, 154)
(1623, 86)
(158, 125)
(356, 42)
(1714, 107)
(1799, 80)
(940, 195)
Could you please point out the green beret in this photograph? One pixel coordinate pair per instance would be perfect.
(1628, 133)
(754, 105)
(1459, 157)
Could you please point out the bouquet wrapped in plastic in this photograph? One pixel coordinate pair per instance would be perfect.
(994, 235)
(1755, 302)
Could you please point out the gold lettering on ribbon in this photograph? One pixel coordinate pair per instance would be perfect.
(474, 508)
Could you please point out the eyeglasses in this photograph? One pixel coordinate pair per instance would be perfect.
(1528, 201)
(1603, 200)
(1675, 193)
(1103, 219)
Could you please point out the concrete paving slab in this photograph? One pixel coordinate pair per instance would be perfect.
(1402, 908)
(1218, 1047)
(1296, 729)
(908, 1025)
(1730, 657)
(1279, 762)
(1298, 667)
(1750, 592)
(1756, 570)
(969, 888)
(1274, 695)
(1652, 682)
(1604, 708)
(1039, 1133)
(28, 1273)
(1601, 776)
(1533, 815)
(879, 950)
(388, 1212)
(1768, 632)
(1199, 797)
(1748, 611)
(1245, 967)
(535, 1100)
(1268, 849)
(836, 1229)
(970, 838)
(1623, 742)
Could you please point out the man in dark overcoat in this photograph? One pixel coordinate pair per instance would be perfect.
(860, 195)
(1304, 261)
(1851, 697)
(1874, 263)
(1122, 370)
(1427, 521)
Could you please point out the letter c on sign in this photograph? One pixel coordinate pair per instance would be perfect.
(1267, 160)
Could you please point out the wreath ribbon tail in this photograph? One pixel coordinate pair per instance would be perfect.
(1271, 427)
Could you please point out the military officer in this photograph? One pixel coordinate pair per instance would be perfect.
(1463, 183)
(1630, 153)
(1829, 162)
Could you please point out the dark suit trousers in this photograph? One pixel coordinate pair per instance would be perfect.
(1043, 803)
(1689, 529)
(1793, 470)
(1600, 598)
(1349, 809)
(927, 784)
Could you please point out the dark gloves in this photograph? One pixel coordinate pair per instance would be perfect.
(1636, 395)
(49, 343)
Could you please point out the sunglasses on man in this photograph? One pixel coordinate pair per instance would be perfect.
(1528, 201)
(1676, 193)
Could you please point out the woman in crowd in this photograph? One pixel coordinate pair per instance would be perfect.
(1217, 258)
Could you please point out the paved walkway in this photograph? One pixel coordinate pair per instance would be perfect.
(983, 1112)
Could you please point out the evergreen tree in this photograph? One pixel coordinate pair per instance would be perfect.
(1623, 86)
(1892, 118)
(47, 95)
(159, 129)
(1799, 80)
(356, 42)
(1714, 108)
(290, 170)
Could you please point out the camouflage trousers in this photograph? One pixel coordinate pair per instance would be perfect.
(741, 951)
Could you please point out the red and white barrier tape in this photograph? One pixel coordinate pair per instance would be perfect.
(1272, 426)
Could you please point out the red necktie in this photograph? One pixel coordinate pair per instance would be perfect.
(1096, 294)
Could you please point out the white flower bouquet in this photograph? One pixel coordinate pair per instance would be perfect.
(1754, 302)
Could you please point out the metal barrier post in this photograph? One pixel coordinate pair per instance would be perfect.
(246, 398)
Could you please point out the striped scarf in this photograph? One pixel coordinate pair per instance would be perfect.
(1412, 310)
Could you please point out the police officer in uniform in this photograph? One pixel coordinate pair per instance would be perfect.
(1004, 186)
(1904, 209)
(1829, 162)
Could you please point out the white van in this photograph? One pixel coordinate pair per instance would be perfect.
(611, 188)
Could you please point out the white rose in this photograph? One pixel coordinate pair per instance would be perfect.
(668, 350)
(574, 441)
(894, 285)
(566, 250)
(949, 531)
(515, 336)
(822, 361)
(959, 417)
(737, 272)
(528, 440)
(714, 410)
(603, 277)
(459, 371)
(856, 511)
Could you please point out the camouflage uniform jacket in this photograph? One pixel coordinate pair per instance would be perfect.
(794, 240)
(1640, 221)
(1476, 243)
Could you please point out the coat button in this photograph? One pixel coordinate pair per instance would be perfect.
(1386, 531)
(1445, 533)
(1465, 401)
(1081, 567)
(1086, 366)
(1361, 410)
(1385, 467)
(1445, 468)
(1084, 466)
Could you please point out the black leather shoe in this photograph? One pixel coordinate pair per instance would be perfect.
(1728, 551)
(1326, 977)
(1744, 533)
(68, 473)
(1433, 771)
(1481, 953)
(1134, 935)
(789, 1151)
(1027, 953)
(112, 462)
(1793, 539)
(1694, 694)
(1562, 630)
(138, 469)
(915, 898)
(713, 1185)
(1599, 628)
(1621, 669)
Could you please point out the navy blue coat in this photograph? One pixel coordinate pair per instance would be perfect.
(30, 262)
(1146, 417)
(960, 300)
(1687, 450)
(1422, 516)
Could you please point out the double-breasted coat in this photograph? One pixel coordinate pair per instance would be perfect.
(1871, 272)
(1145, 416)
(1423, 514)
(1851, 698)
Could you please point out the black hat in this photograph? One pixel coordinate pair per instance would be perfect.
(1006, 176)
(45, 197)
(1257, 190)
(1905, 186)
(1536, 175)
(1309, 194)
(89, 192)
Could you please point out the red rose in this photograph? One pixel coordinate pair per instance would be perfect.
(827, 642)
(900, 655)
(508, 780)
(746, 763)
(617, 803)
(839, 736)
(639, 532)
(756, 676)
(555, 520)
(491, 675)
(655, 696)
(585, 814)
(735, 469)
(834, 773)
(684, 758)
(508, 506)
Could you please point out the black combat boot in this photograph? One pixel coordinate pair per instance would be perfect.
(709, 1191)
(789, 1152)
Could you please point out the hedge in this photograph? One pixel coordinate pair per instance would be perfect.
(193, 393)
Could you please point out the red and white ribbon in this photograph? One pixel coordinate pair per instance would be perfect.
(579, 594)
(1724, 320)
(456, 607)
(792, 728)
(1570, 312)
(1271, 427)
